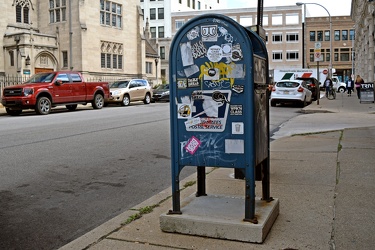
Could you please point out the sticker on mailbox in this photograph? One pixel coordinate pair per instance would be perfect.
(211, 106)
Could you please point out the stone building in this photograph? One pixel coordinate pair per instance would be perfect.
(362, 14)
(102, 39)
(317, 31)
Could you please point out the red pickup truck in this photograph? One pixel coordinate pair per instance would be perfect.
(46, 90)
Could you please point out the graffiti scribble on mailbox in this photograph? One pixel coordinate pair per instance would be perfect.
(209, 148)
(217, 72)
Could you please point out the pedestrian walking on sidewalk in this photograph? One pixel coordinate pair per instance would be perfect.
(328, 84)
(358, 82)
(349, 85)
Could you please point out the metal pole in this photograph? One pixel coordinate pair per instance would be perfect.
(330, 45)
(156, 67)
(70, 36)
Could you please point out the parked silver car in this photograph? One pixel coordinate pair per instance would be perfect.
(126, 91)
(286, 91)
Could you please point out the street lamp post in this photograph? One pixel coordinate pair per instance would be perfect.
(156, 64)
(330, 35)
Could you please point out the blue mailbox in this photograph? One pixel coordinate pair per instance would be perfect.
(219, 104)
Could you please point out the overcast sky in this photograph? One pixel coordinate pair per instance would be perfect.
(335, 8)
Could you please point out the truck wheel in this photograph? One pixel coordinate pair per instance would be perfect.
(98, 101)
(125, 101)
(147, 99)
(43, 106)
(341, 90)
(13, 112)
(71, 107)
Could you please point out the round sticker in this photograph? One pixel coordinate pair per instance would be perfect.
(215, 53)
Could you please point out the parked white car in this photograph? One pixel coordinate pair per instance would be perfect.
(286, 91)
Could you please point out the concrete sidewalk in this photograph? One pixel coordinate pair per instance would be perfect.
(325, 182)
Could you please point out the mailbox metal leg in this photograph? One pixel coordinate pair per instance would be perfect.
(250, 196)
(201, 181)
(239, 173)
(176, 207)
(266, 181)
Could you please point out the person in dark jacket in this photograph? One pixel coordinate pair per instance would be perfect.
(328, 84)
(349, 85)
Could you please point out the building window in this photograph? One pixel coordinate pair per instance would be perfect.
(351, 34)
(148, 68)
(110, 14)
(114, 61)
(312, 36)
(277, 56)
(277, 19)
(319, 35)
(188, 3)
(193, 4)
(57, 11)
(11, 58)
(161, 31)
(312, 57)
(22, 11)
(111, 55)
(292, 37)
(328, 56)
(345, 55)
(246, 20)
(292, 55)
(337, 35)
(265, 20)
(336, 57)
(199, 5)
(277, 38)
(64, 59)
(322, 55)
(291, 19)
(326, 35)
(162, 52)
(153, 32)
(179, 24)
(161, 13)
(152, 14)
(344, 35)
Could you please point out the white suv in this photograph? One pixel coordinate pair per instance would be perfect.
(126, 91)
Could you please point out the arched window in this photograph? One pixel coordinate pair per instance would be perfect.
(22, 11)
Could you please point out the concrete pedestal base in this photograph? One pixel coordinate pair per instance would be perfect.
(221, 217)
